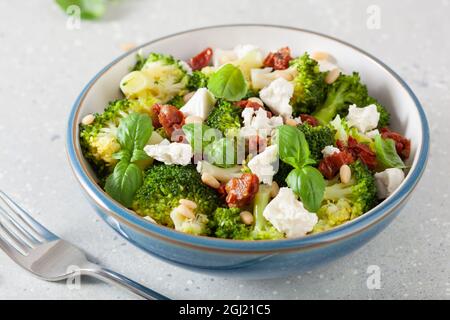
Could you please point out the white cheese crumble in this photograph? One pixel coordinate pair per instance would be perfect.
(329, 150)
(388, 181)
(364, 119)
(263, 164)
(258, 123)
(170, 153)
(277, 96)
(288, 215)
(200, 104)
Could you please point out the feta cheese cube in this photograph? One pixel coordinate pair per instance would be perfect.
(258, 123)
(364, 119)
(288, 215)
(277, 96)
(200, 104)
(170, 153)
(263, 164)
(388, 181)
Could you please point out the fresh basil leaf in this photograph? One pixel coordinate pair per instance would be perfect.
(122, 154)
(309, 184)
(134, 131)
(200, 136)
(139, 155)
(228, 83)
(387, 155)
(88, 9)
(124, 182)
(293, 147)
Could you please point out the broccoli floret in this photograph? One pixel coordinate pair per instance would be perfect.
(165, 185)
(360, 191)
(227, 222)
(177, 101)
(224, 116)
(318, 138)
(332, 214)
(309, 85)
(344, 202)
(197, 80)
(157, 80)
(283, 171)
(346, 90)
(228, 225)
(385, 117)
(197, 226)
(98, 140)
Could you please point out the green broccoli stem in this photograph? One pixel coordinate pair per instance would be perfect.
(327, 112)
(260, 202)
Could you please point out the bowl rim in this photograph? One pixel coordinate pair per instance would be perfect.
(349, 229)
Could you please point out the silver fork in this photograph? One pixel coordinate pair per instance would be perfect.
(50, 258)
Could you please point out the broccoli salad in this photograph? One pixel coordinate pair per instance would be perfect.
(245, 144)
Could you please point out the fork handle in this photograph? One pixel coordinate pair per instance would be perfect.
(119, 280)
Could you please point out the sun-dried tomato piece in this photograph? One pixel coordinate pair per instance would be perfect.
(221, 190)
(252, 104)
(330, 165)
(241, 191)
(201, 60)
(402, 144)
(359, 151)
(156, 108)
(169, 117)
(312, 121)
(278, 60)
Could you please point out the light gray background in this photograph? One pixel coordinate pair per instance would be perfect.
(43, 67)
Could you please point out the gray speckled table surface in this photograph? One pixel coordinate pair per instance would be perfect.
(44, 66)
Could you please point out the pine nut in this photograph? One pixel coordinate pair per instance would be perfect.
(256, 100)
(291, 122)
(185, 211)
(88, 119)
(246, 217)
(345, 173)
(193, 119)
(320, 55)
(188, 203)
(210, 180)
(332, 76)
(274, 189)
(188, 96)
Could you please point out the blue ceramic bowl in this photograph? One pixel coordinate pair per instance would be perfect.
(254, 259)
